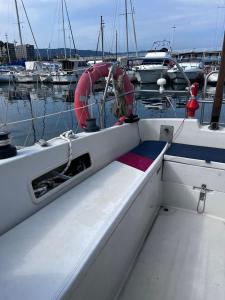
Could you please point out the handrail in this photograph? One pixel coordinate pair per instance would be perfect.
(202, 111)
(182, 72)
(206, 82)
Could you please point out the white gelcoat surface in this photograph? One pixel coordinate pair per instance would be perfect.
(19, 202)
(183, 258)
(38, 257)
(186, 131)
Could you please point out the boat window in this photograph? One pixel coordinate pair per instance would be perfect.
(153, 61)
(52, 179)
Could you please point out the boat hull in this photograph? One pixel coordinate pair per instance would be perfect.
(177, 77)
(64, 78)
(5, 78)
(27, 78)
(150, 76)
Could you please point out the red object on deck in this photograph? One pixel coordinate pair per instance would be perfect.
(194, 89)
(85, 84)
(192, 104)
(121, 120)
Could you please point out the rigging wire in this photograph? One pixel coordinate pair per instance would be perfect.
(54, 22)
(113, 32)
(28, 20)
(75, 50)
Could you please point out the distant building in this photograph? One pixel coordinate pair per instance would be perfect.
(7, 55)
(12, 52)
(25, 52)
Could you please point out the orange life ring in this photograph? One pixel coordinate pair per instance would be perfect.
(84, 86)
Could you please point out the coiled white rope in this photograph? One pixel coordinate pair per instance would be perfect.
(68, 136)
(4, 142)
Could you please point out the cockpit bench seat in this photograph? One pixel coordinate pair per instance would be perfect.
(50, 254)
(196, 155)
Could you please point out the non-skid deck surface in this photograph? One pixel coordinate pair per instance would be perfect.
(183, 258)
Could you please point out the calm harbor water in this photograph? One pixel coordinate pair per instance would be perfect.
(26, 102)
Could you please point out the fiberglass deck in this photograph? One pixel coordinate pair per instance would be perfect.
(183, 258)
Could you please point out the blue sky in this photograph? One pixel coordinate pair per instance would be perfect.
(199, 23)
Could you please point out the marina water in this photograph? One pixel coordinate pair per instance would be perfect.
(33, 111)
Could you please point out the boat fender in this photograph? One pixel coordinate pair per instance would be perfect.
(161, 82)
(192, 104)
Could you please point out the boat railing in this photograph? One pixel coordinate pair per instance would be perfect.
(106, 98)
(206, 82)
(203, 103)
(182, 72)
(36, 118)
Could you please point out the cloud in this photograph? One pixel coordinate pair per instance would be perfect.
(198, 22)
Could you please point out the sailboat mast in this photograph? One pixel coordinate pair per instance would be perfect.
(38, 52)
(96, 53)
(71, 32)
(126, 19)
(102, 36)
(7, 44)
(18, 23)
(116, 44)
(135, 36)
(218, 100)
(64, 33)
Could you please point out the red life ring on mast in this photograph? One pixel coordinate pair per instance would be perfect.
(84, 86)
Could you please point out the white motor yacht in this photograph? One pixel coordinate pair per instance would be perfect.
(154, 66)
(193, 70)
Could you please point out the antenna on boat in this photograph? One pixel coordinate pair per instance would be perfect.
(214, 124)
(173, 33)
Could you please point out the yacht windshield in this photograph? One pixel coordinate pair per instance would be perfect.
(155, 61)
